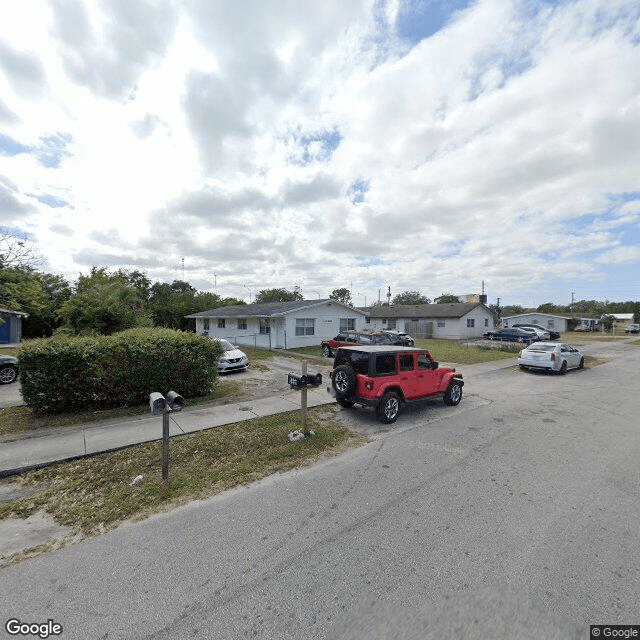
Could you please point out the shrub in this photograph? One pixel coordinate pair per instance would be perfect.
(69, 373)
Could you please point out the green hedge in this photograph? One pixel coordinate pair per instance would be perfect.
(70, 373)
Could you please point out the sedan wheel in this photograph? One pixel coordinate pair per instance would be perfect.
(7, 375)
(326, 352)
(563, 368)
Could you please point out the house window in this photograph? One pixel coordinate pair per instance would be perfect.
(242, 323)
(471, 322)
(441, 323)
(486, 322)
(205, 324)
(265, 328)
(305, 326)
(391, 323)
(347, 324)
(367, 319)
(221, 323)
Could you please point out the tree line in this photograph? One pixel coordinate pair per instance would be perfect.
(104, 302)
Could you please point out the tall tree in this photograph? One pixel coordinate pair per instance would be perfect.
(17, 251)
(278, 295)
(104, 303)
(411, 297)
(342, 295)
(447, 298)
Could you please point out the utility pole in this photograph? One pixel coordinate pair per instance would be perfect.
(573, 293)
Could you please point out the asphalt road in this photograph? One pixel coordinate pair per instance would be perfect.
(513, 515)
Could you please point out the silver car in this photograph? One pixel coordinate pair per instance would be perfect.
(232, 359)
(540, 334)
(552, 356)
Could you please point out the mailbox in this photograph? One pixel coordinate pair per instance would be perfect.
(158, 403)
(306, 380)
(175, 401)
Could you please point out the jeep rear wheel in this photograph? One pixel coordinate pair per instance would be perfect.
(389, 407)
(453, 394)
(344, 381)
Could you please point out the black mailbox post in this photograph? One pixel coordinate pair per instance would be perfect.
(163, 406)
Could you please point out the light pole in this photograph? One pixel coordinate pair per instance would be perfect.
(250, 292)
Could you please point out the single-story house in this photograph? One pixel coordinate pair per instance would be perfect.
(11, 326)
(451, 321)
(279, 325)
(546, 320)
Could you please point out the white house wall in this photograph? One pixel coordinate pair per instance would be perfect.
(453, 329)
(557, 322)
(283, 328)
(327, 324)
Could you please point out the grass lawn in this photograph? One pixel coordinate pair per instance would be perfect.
(95, 493)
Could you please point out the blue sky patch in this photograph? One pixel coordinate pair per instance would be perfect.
(316, 147)
(10, 147)
(52, 149)
(52, 201)
(49, 152)
(357, 191)
(363, 261)
(420, 19)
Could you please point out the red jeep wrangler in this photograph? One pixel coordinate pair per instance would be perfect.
(386, 376)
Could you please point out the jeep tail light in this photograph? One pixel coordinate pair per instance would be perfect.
(368, 385)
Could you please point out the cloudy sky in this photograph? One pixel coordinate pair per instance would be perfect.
(424, 145)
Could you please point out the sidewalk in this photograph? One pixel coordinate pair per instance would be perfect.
(82, 440)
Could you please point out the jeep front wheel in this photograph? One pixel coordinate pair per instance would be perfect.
(453, 394)
(389, 407)
(344, 381)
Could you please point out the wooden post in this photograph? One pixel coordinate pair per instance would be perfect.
(165, 446)
(303, 402)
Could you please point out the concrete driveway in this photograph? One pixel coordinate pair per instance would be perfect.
(10, 395)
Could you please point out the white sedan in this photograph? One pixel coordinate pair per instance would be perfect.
(232, 359)
(552, 356)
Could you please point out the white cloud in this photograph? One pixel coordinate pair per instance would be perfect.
(503, 148)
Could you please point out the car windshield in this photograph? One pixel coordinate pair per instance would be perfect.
(227, 346)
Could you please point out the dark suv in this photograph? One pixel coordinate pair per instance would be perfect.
(384, 377)
(346, 338)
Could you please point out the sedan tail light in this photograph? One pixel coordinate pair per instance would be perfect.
(553, 357)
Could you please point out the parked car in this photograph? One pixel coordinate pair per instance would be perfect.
(385, 377)
(552, 356)
(232, 359)
(633, 328)
(346, 338)
(399, 337)
(554, 335)
(512, 334)
(8, 369)
(540, 334)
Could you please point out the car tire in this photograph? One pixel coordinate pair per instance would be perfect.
(347, 403)
(581, 365)
(453, 394)
(388, 408)
(8, 374)
(326, 351)
(410, 343)
(563, 368)
(344, 381)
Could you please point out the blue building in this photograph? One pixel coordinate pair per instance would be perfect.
(11, 326)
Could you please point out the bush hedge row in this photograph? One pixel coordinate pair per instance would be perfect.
(70, 373)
